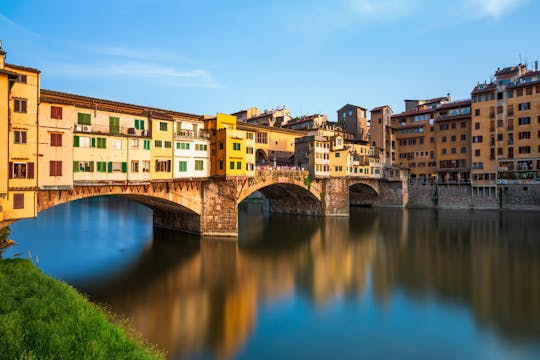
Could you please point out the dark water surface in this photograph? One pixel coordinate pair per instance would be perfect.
(386, 283)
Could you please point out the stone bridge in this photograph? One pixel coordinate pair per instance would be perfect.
(210, 206)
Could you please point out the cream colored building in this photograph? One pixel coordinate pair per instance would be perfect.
(191, 149)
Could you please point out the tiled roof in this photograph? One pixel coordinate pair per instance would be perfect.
(23, 68)
(453, 104)
(487, 88)
(112, 106)
(413, 112)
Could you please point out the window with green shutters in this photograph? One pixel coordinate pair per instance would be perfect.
(199, 165)
(101, 143)
(236, 146)
(75, 141)
(182, 166)
(124, 167)
(75, 166)
(114, 125)
(238, 165)
(139, 124)
(231, 165)
(147, 144)
(157, 143)
(201, 147)
(101, 166)
(167, 144)
(163, 126)
(182, 146)
(83, 119)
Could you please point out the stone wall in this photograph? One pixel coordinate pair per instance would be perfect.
(219, 215)
(177, 220)
(525, 197)
(393, 193)
(335, 199)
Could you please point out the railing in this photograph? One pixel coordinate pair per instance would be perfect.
(278, 171)
(192, 134)
(108, 130)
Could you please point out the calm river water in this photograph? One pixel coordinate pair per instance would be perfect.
(386, 283)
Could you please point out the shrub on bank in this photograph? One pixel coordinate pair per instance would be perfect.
(43, 318)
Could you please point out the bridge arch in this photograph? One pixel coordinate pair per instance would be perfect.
(286, 194)
(261, 157)
(363, 192)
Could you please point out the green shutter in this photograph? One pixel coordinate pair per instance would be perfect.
(109, 167)
(114, 125)
(83, 119)
(75, 166)
(124, 167)
(75, 141)
(137, 124)
(93, 142)
(141, 124)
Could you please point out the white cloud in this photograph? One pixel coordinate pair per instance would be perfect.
(165, 75)
(16, 26)
(491, 8)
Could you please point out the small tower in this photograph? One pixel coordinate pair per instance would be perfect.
(2, 56)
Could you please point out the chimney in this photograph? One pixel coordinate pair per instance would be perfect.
(2, 56)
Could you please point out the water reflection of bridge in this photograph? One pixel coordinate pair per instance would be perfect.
(208, 300)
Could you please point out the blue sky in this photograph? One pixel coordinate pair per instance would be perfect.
(312, 56)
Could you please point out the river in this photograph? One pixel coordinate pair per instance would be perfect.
(384, 283)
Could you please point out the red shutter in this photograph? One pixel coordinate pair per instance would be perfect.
(59, 138)
(18, 201)
(23, 107)
(10, 170)
(59, 113)
(59, 168)
(23, 137)
(52, 168)
(30, 170)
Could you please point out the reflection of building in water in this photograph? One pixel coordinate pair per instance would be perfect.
(488, 260)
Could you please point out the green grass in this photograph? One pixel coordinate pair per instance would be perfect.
(43, 318)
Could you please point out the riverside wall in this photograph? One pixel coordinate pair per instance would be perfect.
(465, 196)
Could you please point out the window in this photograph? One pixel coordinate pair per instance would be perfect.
(528, 90)
(443, 151)
(432, 140)
(463, 150)
(81, 141)
(21, 170)
(262, 138)
(167, 144)
(220, 145)
(204, 147)
(182, 146)
(162, 126)
(21, 78)
(114, 125)
(117, 167)
(182, 166)
(524, 135)
(524, 106)
(101, 166)
(510, 93)
(337, 154)
(147, 145)
(116, 144)
(220, 164)
(19, 105)
(443, 139)
(250, 136)
(236, 146)
(139, 124)
(55, 168)
(453, 150)
(199, 165)
(135, 143)
(102, 143)
(19, 137)
(477, 152)
(146, 166)
(453, 138)
(56, 139)
(83, 119)
(134, 166)
(524, 149)
(443, 127)
(524, 120)
(463, 137)
(231, 165)
(477, 139)
(56, 112)
(83, 166)
(238, 165)
(18, 201)
(163, 165)
(158, 143)
(499, 151)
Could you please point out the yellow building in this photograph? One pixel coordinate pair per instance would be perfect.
(339, 157)
(227, 146)
(162, 151)
(19, 139)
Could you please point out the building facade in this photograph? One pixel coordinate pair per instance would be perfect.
(353, 119)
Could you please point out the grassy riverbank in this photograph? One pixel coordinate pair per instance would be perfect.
(43, 318)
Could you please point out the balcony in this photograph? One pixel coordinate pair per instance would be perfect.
(201, 134)
(107, 130)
